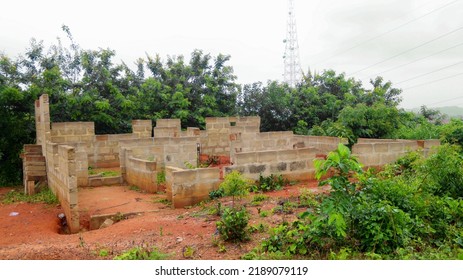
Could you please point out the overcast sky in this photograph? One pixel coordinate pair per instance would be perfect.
(361, 38)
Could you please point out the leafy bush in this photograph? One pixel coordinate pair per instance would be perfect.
(452, 133)
(442, 172)
(235, 184)
(233, 223)
(269, 183)
(379, 216)
(218, 193)
(381, 227)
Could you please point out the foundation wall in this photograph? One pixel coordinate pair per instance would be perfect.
(293, 164)
(62, 180)
(188, 187)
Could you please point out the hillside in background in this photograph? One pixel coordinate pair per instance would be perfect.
(451, 111)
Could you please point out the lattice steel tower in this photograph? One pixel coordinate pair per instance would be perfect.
(291, 58)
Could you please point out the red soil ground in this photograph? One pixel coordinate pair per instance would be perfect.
(33, 233)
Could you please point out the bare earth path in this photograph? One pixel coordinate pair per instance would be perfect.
(33, 233)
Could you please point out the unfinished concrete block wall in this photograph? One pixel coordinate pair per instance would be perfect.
(191, 132)
(72, 132)
(139, 166)
(294, 164)
(186, 187)
(42, 120)
(173, 152)
(81, 163)
(167, 128)
(325, 144)
(141, 173)
(220, 132)
(142, 128)
(428, 146)
(264, 141)
(62, 180)
(269, 141)
(34, 167)
(138, 157)
(375, 154)
(102, 150)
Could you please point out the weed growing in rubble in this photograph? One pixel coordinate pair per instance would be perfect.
(141, 253)
(161, 177)
(258, 199)
(188, 252)
(103, 253)
(189, 165)
(164, 201)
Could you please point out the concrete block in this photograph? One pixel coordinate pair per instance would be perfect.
(306, 153)
(362, 149)
(230, 169)
(396, 147)
(208, 174)
(267, 156)
(381, 147)
(431, 143)
(287, 155)
(388, 158)
(257, 168)
(278, 167)
(185, 176)
(243, 158)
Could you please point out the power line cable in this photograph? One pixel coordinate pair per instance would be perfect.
(416, 60)
(389, 31)
(447, 100)
(434, 71)
(434, 81)
(407, 51)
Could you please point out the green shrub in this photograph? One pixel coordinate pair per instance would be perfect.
(442, 172)
(235, 185)
(233, 223)
(269, 183)
(216, 193)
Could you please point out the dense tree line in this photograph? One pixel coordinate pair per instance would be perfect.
(88, 85)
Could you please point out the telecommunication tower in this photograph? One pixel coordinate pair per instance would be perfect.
(291, 58)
